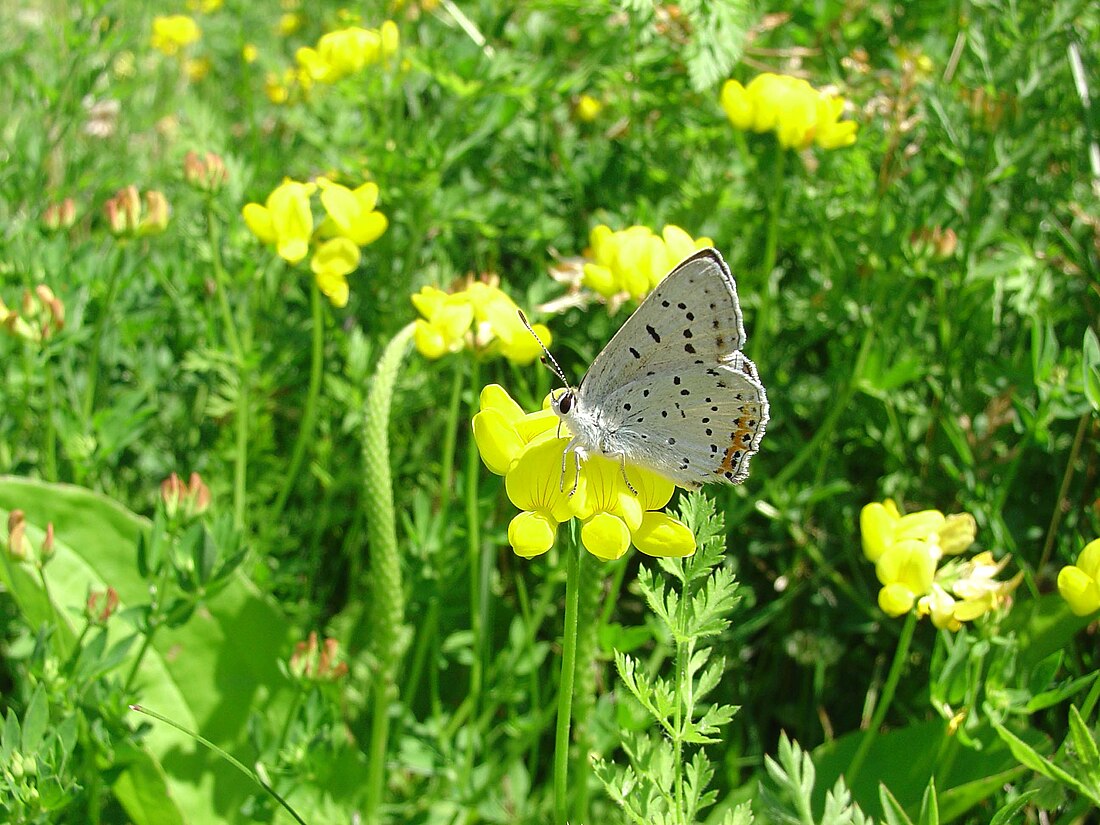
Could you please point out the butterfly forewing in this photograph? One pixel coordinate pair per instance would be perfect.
(692, 316)
(672, 391)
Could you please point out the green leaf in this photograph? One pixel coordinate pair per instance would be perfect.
(1049, 698)
(1088, 758)
(223, 658)
(1031, 758)
(143, 791)
(892, 810)
(1090, 367)
(929, 806)
(1007, 814)
(35, 720)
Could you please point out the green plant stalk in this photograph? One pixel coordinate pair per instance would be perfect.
(684, 698)
(762, 337)
(386, 596)
(1063, 491)
(591, 587)
(901, 653)
(206, 743)
(473, 566)
(240, 460)
(121, 261)
(313, 394)
(565, 686)
(49, 434)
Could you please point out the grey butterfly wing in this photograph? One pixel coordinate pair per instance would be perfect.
(703, 429)
(691, 319)
(672, 390)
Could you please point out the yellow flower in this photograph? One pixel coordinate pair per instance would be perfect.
(799, 114)
(1079, 584)
(344, 52)
(331, 264)
(446, 321)
(906, 571)
(351, 212)
(635, 260)
(966, 590)
(197, 68)
(289, 23)
(286, 220)
(204, 6)
(587, 108)
(445, 325)
(173, 32)
(250, 53)
(881, 526)
(542, 479)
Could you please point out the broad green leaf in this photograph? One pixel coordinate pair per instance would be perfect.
(1049, 698)
(206, 674)
(1031, 758)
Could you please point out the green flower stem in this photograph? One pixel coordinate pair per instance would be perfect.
(49, 435)
(473, 566)
(206, 743)
(591, 588)
(565, 686)
(901, 654)
(763, 323)
(387, 596)
(1063, 491)
(428, 631)
(121, 263)
(313, 394)
(240, 461)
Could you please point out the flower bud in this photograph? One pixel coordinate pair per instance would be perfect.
(48, 549)
(957, 533)
(100, 606)
(45, 311)
(17, 535)
(198, 496)
(124, 211)
(206, 173)
(59, 216)
(155, 220)
(171, 493)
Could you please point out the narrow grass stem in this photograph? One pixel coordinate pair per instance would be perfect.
(206, 743)
(313, 395)
(763, 323)
(240, 459)
(473, 567)
(565, 685)
(49, 434)
(901, 654)
(1063, 492)
(119, 264)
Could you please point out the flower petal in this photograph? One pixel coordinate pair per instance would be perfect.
(662, 535)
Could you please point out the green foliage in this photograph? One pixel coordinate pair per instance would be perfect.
(922, 307)
(662, 782)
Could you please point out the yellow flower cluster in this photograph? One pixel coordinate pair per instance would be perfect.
(528, 449)
(906, 551)
(286, 222)
(799, 114)
(481, 317)
(174, 32)
(633, 261)
(1079, 583)
(347, 51)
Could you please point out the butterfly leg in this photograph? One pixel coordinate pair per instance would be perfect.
(622, 464)
(575, 450)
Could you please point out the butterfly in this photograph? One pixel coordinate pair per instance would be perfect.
(672, 392)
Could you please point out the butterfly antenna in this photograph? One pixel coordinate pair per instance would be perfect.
(548, 359)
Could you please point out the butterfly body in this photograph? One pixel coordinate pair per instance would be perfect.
(672, 392)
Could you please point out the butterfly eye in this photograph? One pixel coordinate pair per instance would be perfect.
(565, 403)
